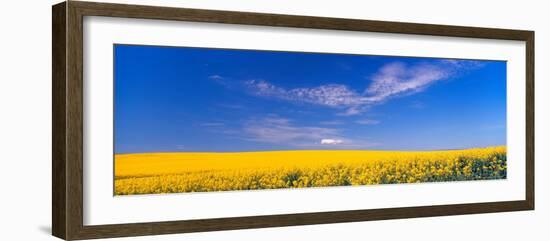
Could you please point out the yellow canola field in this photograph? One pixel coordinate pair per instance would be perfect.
(148, 173)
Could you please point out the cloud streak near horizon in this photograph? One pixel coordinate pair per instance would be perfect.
(277, 130)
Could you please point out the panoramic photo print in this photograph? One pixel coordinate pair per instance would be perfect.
(205, 120)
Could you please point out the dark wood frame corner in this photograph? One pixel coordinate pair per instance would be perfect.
(67, 157)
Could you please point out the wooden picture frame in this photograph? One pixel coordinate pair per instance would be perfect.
(67, 152)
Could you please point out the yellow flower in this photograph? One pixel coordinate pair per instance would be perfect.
(206, 172)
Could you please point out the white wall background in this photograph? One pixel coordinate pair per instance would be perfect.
(25, 120)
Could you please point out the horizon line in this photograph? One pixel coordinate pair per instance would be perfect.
(306, 150)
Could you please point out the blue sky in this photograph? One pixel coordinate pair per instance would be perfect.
(176, 99)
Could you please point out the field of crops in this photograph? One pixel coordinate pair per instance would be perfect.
(149, 173)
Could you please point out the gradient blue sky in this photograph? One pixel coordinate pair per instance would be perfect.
(198, 99)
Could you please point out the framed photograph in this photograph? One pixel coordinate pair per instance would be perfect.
(170, 120)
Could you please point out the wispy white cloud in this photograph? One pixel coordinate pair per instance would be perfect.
(354, 110)
(232, 106)
(367, 122)
(282, 131)
(331, 141)
(397, 79)
(212, 124)
(225, 81)
(330, 123)
(215, 77)
(391, 80)
(332, 95)
(462, 64)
